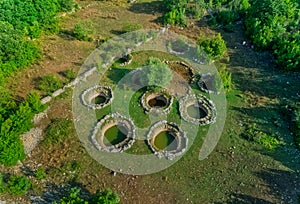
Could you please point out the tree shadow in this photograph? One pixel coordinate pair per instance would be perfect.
(116, 74)
(244, 199)
(147, 7)
(66, 35)
(55, 192)
(267, 92)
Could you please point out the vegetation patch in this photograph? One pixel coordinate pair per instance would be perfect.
(15, 185)
(105, 197)
(59, 129)
(215, 48)
(50, 83)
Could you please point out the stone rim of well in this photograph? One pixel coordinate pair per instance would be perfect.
(106, 123)
(199, 100)
(203, 80)
(91, 93)
(179, 134)
(172, 49)
(152, 94)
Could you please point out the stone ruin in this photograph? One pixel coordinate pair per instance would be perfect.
(203, 104)
(103, 93)
(208, 84)
(179, 137)
(157, 102)
(123, 123)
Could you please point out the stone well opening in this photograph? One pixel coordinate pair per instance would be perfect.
(165, 140)
(115, 134)
(196, 111)
(209, 83)
(157, 101)
(97, 97)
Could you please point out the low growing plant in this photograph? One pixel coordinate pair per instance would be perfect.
(215, 48)
(18, 185)
(59, 129)
(50, 83)
(40, 173)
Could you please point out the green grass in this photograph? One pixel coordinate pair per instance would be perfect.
(174, 115)
(58, 130)
(114, 135)
(136, 111)
(164, 141)
(40, 173)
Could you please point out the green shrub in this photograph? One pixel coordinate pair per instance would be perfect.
(175, 17)
(59, 129)
(12, 126)
(215, 48)
(254, 134)
(226, 78)
(70, 74)
(287, 51)
(50, 83)
(268, 19)
(30, 17)
(156, 73)
(197, 9)
(129, 27)
(2, 187)
(66, 5)
(83, 31)
(18, 185)
(34, 102)
(15, 51)
(105, 197)
(73, 198)
(268, 141)
(40, 173)
(295, 124)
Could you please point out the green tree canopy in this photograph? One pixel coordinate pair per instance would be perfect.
(15, 50)
(156, 73)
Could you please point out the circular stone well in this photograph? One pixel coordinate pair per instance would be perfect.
(208, 84)
(157, 101)
(167, 140)
(197, 109)
(97, 97)
(114, 133)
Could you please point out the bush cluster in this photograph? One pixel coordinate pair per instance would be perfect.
(15, 185)
(15, 119)
(50, 83)
(295, 124)
(274, 25)
(105, 197)
(22, 19)
(58, 130)
(215, 48)
(156, 73)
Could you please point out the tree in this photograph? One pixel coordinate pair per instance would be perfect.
(268, 19)
(215, 48)
(287, 51)
(156, 73)
(15, 51)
